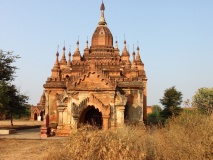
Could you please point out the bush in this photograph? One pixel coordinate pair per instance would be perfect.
(188, 136)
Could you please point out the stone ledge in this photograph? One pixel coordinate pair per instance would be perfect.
(7, 131)
(62, 133)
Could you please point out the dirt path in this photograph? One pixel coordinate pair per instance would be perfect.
(19, 123)
(15, 149)
(26, 144)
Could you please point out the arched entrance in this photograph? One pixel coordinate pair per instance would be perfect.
(91, 116)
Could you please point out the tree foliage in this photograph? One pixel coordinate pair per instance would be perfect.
(171, 101)
(7, 70)
(156, 109)
(154, 117)
(203, 100)
(12, 102)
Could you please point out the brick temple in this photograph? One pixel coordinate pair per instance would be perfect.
(100, 86)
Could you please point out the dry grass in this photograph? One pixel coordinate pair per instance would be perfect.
(189, 136)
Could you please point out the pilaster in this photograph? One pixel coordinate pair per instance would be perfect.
(120, 115)
(60, 117)
(75, 123)
(105, 125)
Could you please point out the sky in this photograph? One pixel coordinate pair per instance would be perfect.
(175, 39)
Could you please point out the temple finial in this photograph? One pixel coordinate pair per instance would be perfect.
(87, 43)
(70, 49)
(63, 58)
(57, 48)
(137, 57)
(116, 44)
(133, 54)
(102, 6)
(125, 49)
(77, 45)
(102, 19)
(64, 46)
(57, 54)
(69, 55)
(138, 48)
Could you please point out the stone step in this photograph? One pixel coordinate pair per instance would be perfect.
(7, 131)
(62, 133)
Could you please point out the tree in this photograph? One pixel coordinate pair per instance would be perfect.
(156, 109)
(12, 102)
(203, 100)
(7, 70)
(154, 117)
(171, 101)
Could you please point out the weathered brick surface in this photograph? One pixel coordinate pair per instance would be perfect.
(102, 78)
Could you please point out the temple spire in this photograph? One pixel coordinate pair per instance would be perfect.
(56, 64)
(77, 46)
(69, 57)
(138, 58)
(116, 44)
(133, 54)
(102, 19)
(77, 55)
(125, 51)
(63, 58)
(87, 43)
(57, 54)
(125, 45)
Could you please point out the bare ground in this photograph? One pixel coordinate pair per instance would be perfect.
(19, 124)
(15, 149)
(35, 149)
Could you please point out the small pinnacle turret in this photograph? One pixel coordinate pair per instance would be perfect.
(116, 44)
(69, 59)
(77, 55)
(56, 64)
(63, 60)
(77, 46)
(125, 52)
(87, 44)
(137, 58)
(133, 53)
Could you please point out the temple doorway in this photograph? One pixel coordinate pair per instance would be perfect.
(92, 116)
(35, 116)
(42, 115)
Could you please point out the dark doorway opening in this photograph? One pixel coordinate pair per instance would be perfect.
(35, 117)
(93, 117)
(128, 112)
(42, 115)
